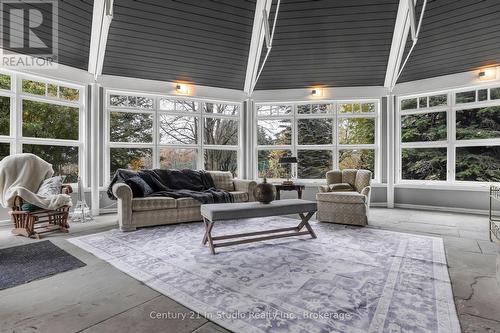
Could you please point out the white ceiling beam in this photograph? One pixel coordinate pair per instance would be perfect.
(413, 20)
(399, 38)
(262, 8)
(101, 20)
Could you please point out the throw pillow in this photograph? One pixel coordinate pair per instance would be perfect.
(341, 187)
(140, 188)
(27, 207)
(223, 180)
(50, 186)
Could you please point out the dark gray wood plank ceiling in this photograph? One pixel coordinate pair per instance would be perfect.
(317, 42)
(74, 30)
(202, 42)
(456, 36)
(75, 22)
(331, 43)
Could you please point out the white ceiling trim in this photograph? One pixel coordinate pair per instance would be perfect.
(331, 93)
(166, 88)
(258, 35)
(399, 38)
(101, 20)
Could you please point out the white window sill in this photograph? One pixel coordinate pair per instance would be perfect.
(313, 183)
(459, 186)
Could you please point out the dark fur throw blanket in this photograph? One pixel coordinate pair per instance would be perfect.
(198, 185)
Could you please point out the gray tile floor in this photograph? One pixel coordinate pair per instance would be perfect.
(100, 298)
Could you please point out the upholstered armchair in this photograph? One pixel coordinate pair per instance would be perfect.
(346, 197)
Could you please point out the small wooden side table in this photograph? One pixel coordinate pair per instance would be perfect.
(294, 187)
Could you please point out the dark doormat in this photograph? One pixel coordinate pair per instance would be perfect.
(25, 263)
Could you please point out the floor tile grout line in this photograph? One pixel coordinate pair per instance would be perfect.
(205, 323)
(473, 315)
(119, 313)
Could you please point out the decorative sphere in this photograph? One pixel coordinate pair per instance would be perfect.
(264, 192)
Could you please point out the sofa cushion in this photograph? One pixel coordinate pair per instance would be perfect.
(153, 203)
(187, 202)
(240, 196)
(341, 187)
(349, 176)
(334, 177)
(342, 197)
(363, 178)
(223, 180)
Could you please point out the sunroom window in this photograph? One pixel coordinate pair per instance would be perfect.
(50, 116)
(478, 144)
(455, 142)
(174, 133)
(5, 81)
(323, 136)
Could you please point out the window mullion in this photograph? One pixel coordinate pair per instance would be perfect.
(14, 116)
(19, 117)
(201, 137)
(156, 135)
(452, 130)
(335, 134)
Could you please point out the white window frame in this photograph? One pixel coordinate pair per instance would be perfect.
(335, 147)
(450, 143)
(16, 138)
(155, 145)
(10, 139)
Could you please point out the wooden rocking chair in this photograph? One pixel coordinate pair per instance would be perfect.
(32, 224)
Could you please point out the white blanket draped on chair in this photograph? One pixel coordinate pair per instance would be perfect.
(21, 175)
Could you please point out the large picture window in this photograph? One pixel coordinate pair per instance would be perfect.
(323, 136)
(451, 137)
(172, 133)
(47, 121)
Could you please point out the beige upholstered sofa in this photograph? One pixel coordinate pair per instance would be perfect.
(346, 197)
(142, 212)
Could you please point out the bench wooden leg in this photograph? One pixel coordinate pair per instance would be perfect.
(270, 234)
(305, 223)
(208, 229)
(208, 234)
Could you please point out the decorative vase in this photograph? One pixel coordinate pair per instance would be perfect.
(264, 192)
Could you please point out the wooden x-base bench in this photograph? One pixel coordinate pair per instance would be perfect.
(231, 211)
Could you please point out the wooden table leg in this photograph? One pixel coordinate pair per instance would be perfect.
(299, 192)
(208, 229)
(208, 234)
(305, 223)
(278, 196)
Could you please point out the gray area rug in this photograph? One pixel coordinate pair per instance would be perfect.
(25, 263)
(346, 280)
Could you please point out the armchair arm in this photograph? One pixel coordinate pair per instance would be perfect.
(66, 189)
(366, 191)
(124, 195)
(244, 185)
(323, 188)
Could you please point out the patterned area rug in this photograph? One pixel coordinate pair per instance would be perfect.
(346, 280)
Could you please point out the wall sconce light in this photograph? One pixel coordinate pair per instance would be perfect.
(181, 88)
(488, 74)
(316, 92)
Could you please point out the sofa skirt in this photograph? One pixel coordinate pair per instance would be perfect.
(343, 213)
